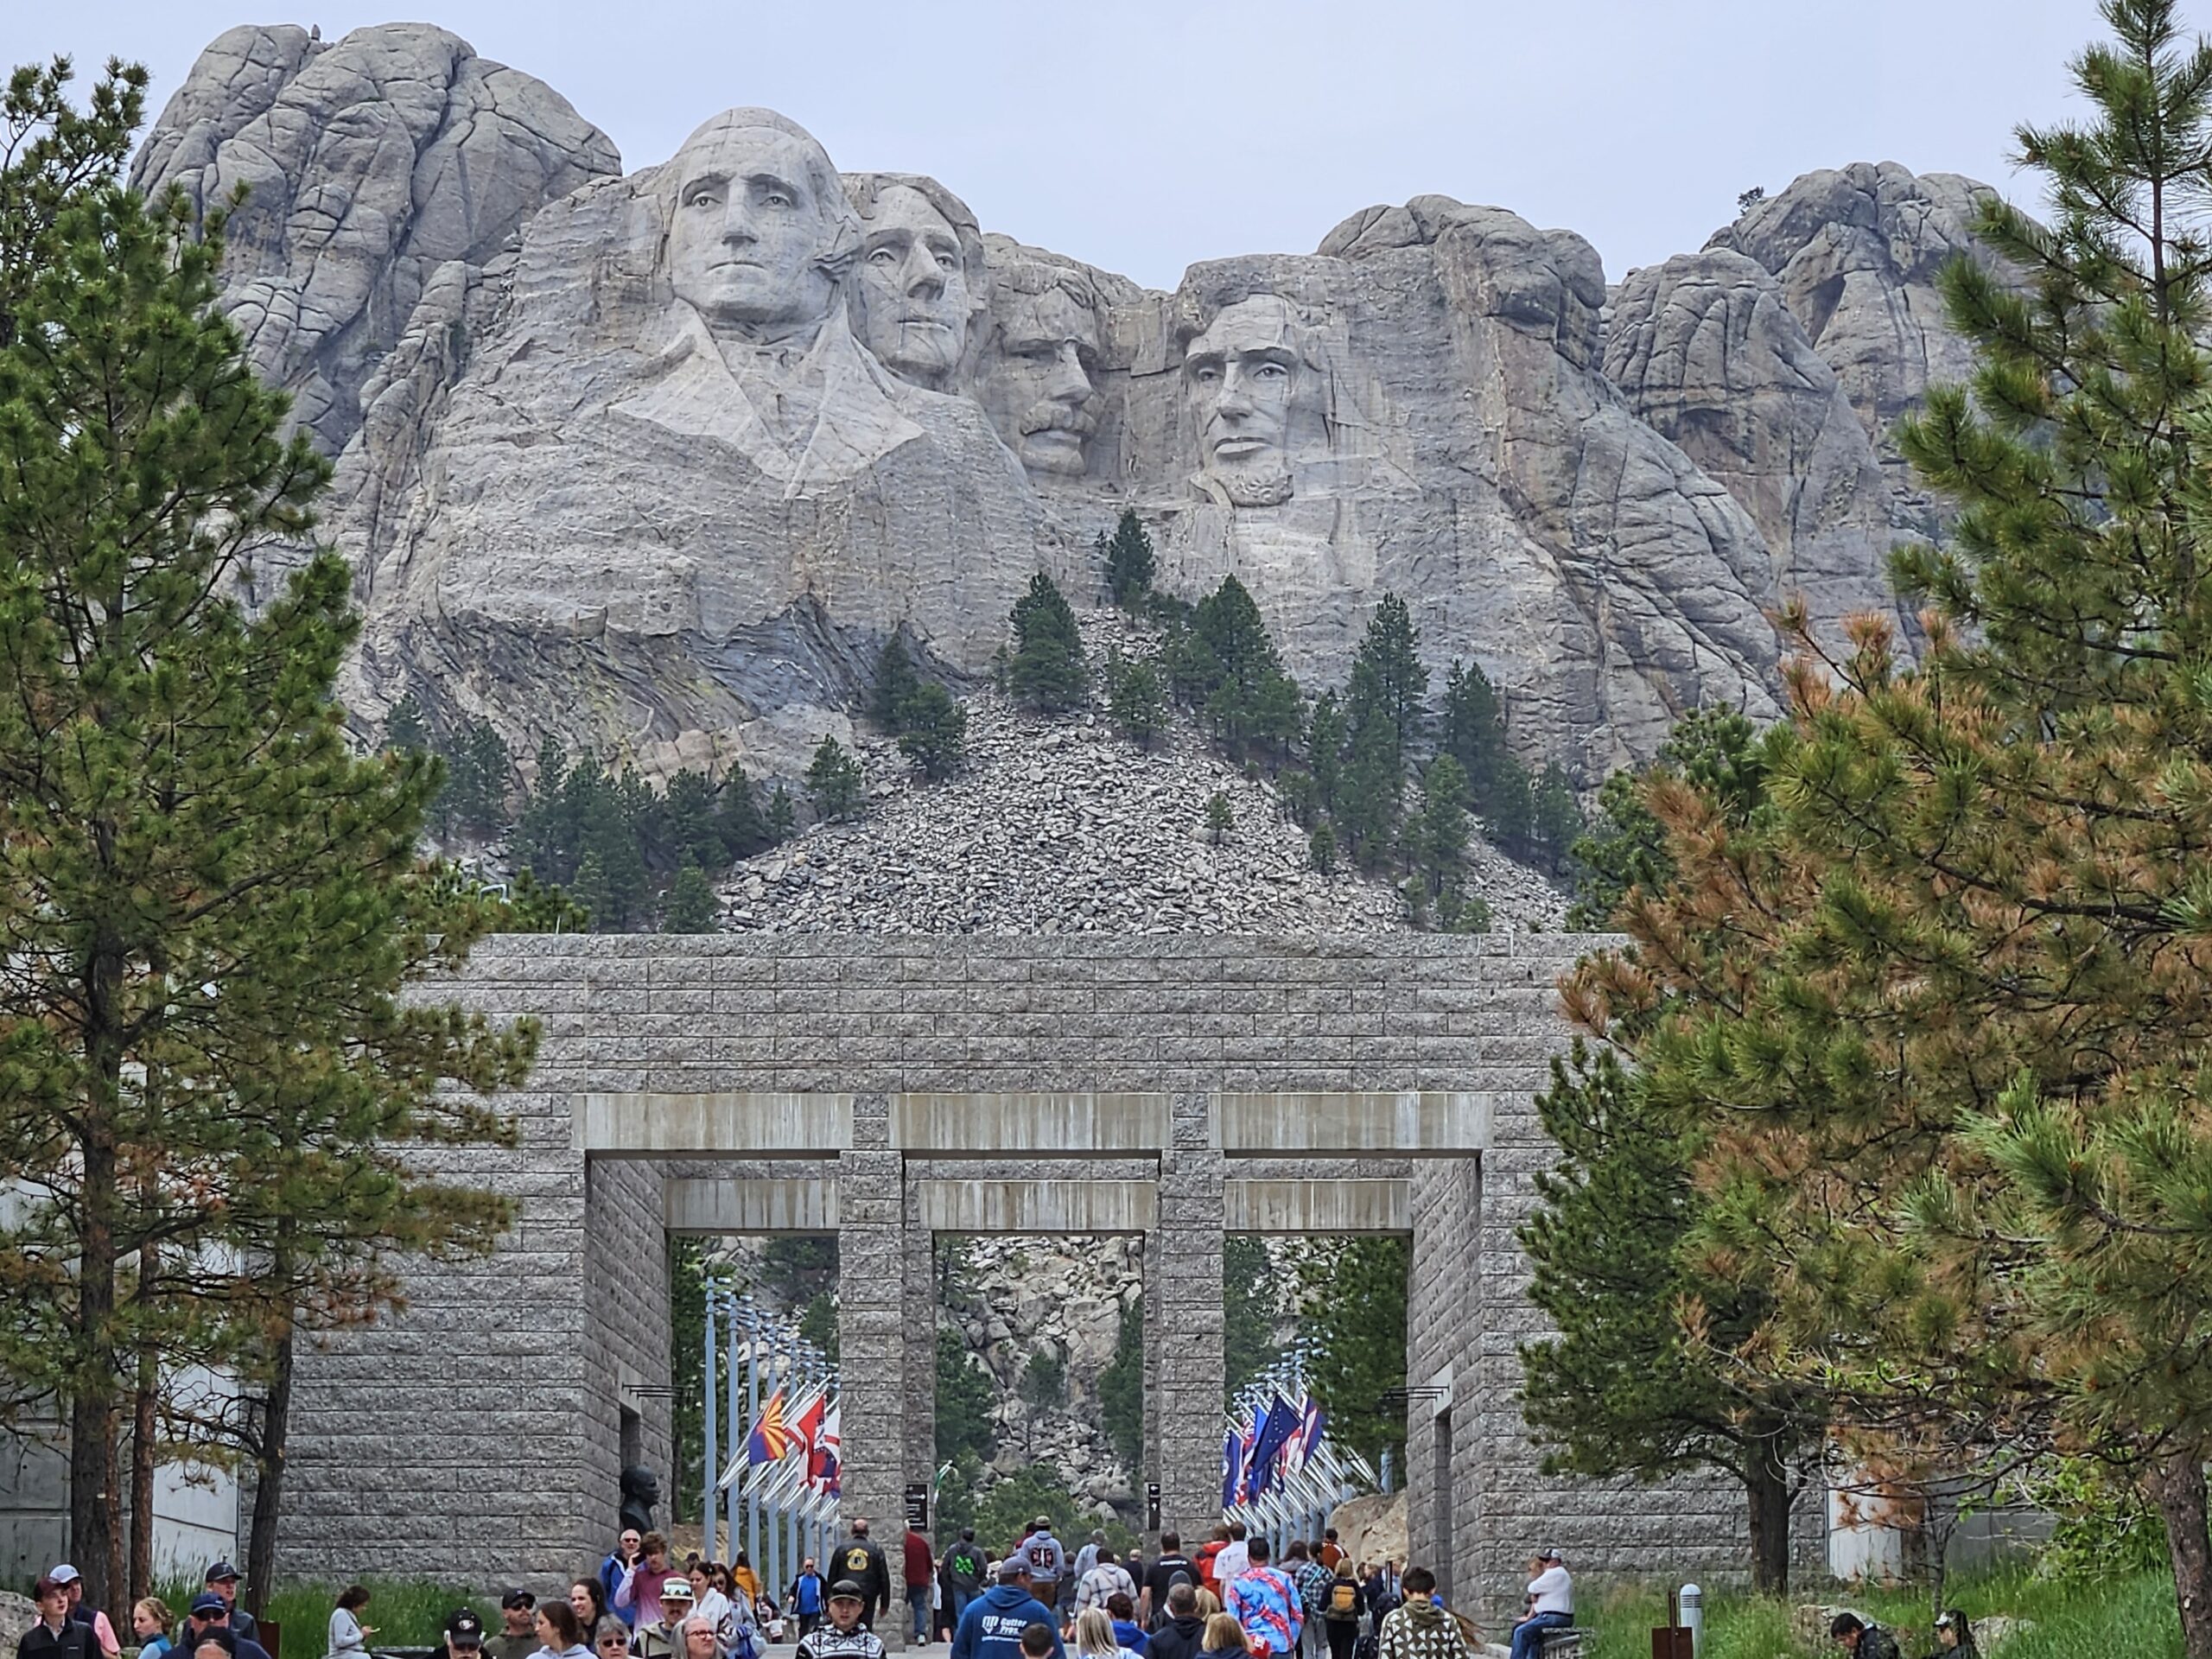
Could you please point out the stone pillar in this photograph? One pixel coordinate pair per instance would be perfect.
(872, 1337)
(1182, 1322)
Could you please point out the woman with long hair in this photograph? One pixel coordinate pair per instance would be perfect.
(1224, 1634)
(349, 1637)
(1094, 1635)
(562, 1632)
(587, 1600)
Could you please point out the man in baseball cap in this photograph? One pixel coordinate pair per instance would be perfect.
(464, 1634)
(209, 1612)
(844, 1636)
(223, 1580)
(517, 1638)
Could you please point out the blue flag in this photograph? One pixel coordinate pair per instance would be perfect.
(1274, 1432)
(1232, 1468)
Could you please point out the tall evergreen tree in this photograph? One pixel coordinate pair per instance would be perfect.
(895, 684)
(1228, 668)
(933, 731)
(1135, 699)
(1389, 682)
(1351, 1315)
(1438, 838)
(1718, 753)
(1047, 670)
(209, 908)
(833, 778)
(1130, 566)
(1473, 732)
(691, 906)
(405, 728)
(1557, 820)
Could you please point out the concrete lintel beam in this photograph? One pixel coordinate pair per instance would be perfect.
(1040, 1125)
(768, 1204)
(1308, 1206)
(1409, 1123)
(1037, 1207)
(745, 1124)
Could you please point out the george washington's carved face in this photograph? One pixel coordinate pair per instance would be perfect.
(753, 234)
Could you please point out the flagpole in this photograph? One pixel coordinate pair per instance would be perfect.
(707, 1381)
(736, 1496)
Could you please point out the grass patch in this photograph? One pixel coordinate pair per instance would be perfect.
(404, 1613)
(2130, 1618)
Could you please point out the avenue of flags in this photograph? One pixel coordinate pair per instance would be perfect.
(1277, 1465)
(792, 1450)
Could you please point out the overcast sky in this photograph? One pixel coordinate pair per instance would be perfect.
(1142, 135)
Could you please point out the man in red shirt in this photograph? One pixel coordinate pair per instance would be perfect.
(1205, 1559)
(921, 1576)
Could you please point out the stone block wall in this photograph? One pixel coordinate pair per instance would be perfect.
(479, 1432)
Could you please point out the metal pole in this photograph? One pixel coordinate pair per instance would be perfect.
(707, 1381)
(752, 1400)
(737, 1436)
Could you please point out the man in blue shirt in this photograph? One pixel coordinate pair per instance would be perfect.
(991, 1626)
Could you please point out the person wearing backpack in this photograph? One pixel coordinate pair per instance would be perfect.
(1311, 1581)
(964, 1572)
(1169, 1568)
(1341, 1610)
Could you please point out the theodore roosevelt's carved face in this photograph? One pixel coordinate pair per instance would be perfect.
(1038, 385)
(753, 234)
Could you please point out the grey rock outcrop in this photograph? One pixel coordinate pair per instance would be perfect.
(370, 162)
(1708, 352)
(1857, 251)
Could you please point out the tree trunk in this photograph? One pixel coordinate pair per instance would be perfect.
(143, 1431)
(1767, 1490)
(2176, 1483)
(95, 1540)
(268, 1482)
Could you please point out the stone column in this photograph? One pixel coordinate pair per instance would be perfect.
(872, 1337)
(1182, 1322)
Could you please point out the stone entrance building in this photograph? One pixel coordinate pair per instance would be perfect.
(1179, 1088)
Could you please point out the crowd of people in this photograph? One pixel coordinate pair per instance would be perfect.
(1229, 1598)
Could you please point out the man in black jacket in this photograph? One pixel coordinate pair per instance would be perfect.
(56, 1636)
(1183, 1636)
(1171, 1567)
(860, 1560)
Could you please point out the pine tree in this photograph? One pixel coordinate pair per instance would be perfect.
(404, 727)
(833, 778)
(1624, 847)
(1387, 680)
(1326, 737)
(1556, 820)
(1440, 837)
(1047, 670)
(1129, 562)
(1135, 699)
(1623, 1388)
(782, 818)
(211, 908)
(738, 817)
(1220, 819)
(1369, 790)
(1511, 816)
(1474, 732)
(691, 906)
(590, 892)
(932, 731)
(895, 682)
(1351, 1322)
(1226, 665)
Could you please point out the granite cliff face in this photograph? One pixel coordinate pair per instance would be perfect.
(655, 462)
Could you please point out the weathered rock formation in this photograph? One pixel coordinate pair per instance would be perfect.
(369, 164)
(654, 463)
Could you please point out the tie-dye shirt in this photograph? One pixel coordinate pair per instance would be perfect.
(1264, 1603)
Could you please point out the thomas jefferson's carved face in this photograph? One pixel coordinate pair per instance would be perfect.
(751, 227)
(913, 297)
(1038, 386)
(1245, 378)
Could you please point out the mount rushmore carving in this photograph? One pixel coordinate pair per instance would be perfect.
(655, 462)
